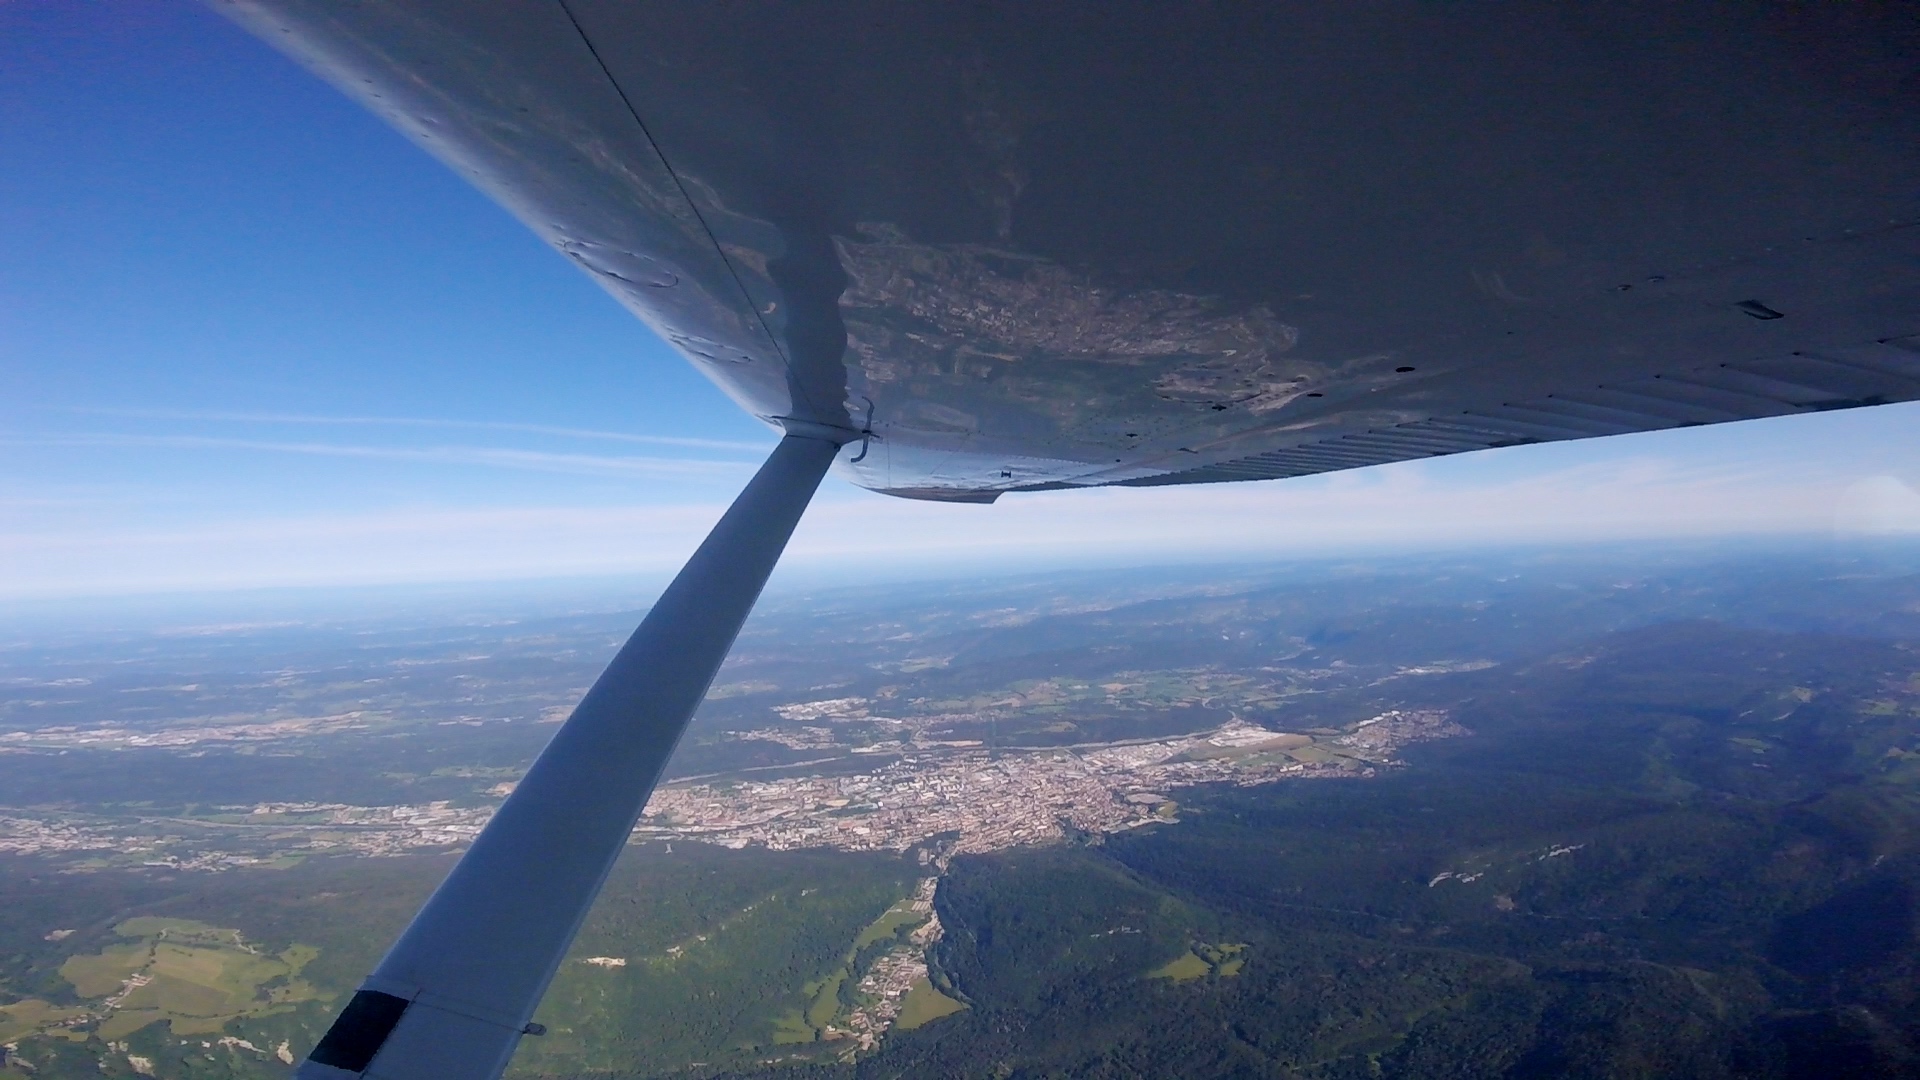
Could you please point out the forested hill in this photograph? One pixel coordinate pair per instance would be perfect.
(1684, 850)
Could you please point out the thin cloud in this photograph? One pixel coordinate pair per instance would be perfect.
(1409, 507)
(483, 456)
(1829, 474)
(195, 416)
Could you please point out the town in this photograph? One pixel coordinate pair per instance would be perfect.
(946, 797)
(964, 799)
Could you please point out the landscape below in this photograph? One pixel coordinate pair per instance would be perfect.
(1647, 813)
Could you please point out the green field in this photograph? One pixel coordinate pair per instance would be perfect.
(1182, 968)
(24, 1018)
(923, 1005)
(194, 976)
(1203, 960)
(889, 924)
(103, 973)
(825, 1001)
(177, 976)
(791, 1027)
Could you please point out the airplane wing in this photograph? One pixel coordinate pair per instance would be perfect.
(1053, 245)
(996, 246)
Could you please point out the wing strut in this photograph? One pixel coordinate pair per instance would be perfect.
(454, 995)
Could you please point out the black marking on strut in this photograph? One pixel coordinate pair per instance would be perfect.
(360, 1032)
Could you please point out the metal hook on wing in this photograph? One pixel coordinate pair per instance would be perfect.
(866, 435)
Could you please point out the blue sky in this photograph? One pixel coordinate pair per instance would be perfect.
(249, 336)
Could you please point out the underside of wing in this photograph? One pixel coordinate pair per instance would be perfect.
(1874, 373)
(1028, 246)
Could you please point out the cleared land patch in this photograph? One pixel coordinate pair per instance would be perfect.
(1182, 968)
(1202, 960)
(103, 972)
(195, 976)
(888, 924)
(923, 1005)
(826, 1000)
(791, 1027)
(23, 1018)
